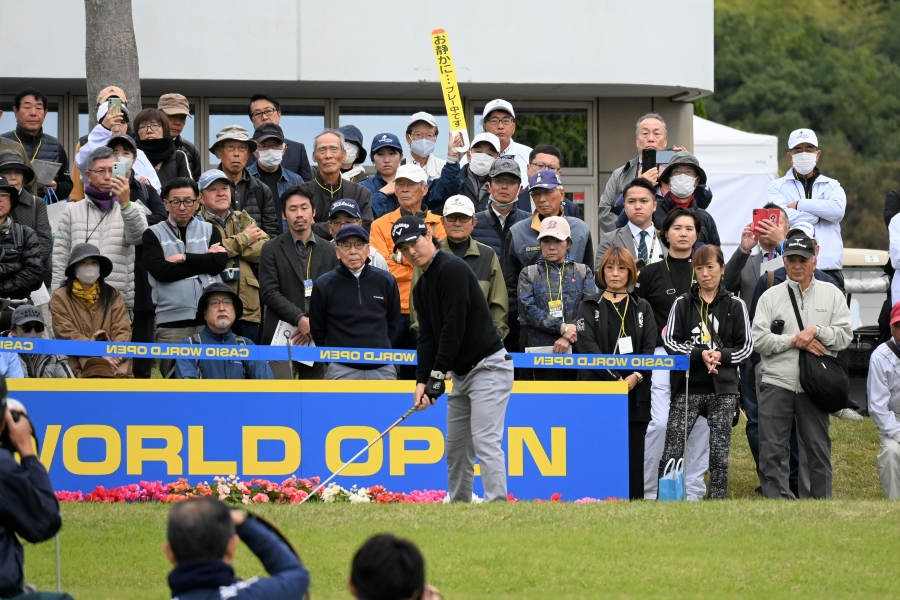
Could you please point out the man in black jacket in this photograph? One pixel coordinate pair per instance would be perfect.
(28, 210)
(288, 267)
(21, 270)
(457, 337)
(178, 110)
(28, 506)
(266, 109)
(30, 108)
(355, 306)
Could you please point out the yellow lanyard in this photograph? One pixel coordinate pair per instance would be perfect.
(621, 314)
(666, 259)
(36, 150)
(309, 262)
(549, 288)
(330, 191)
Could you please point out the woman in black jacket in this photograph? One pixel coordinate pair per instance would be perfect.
(616, 322)
(711, 326)
(152, 128)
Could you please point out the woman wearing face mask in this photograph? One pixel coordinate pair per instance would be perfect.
(352, 169)
(711, 326)
(549, 294)
(152, 127)
(683, 174)
(112, 121)
(87, 308)
(484, 150)
(615, 322)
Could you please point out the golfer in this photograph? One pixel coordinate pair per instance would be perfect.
(458, 339)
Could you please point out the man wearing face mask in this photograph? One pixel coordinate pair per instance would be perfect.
(683, 174)
(28, 323)
(810, 197)
(485, 149)
(352, 168)
(268, 168)
(443, 175)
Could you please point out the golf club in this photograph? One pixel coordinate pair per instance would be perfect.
(687, 383)
(287, 337)
(358, 454)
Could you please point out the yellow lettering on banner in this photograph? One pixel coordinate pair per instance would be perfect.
(169, 454)
(74, 464)
(197, 464)
(16, 345)
(251, 438)
(400, 456)
(51, 440)
(354, 432)
(525, 436)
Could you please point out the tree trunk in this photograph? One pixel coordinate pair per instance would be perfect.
(110, 54)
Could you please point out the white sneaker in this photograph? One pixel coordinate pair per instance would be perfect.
(848, 414)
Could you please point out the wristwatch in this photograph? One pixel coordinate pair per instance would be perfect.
(183, 257)
(639, 377)
(438, 375)
(818, 331)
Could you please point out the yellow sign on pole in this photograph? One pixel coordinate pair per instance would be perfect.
(449, 86)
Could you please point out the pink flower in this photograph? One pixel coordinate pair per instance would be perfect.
(299, 497)
(260, 498)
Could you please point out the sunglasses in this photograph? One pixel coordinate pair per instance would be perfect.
(32, 327)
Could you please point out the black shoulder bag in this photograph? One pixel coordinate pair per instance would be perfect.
(823, 378)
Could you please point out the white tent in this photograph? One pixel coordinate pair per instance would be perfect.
(739, 167)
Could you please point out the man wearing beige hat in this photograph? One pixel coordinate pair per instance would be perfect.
(178, 110)
(233, 148)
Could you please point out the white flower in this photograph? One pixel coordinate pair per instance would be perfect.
(360, 497)
(334, 493)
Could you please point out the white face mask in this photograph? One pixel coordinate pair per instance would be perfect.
(270, 158)
(422, 147)
(128, 162)
(804, 162)
(481, 163)
(87, 275)
(503, 205)
(352, 153)
(682, 186)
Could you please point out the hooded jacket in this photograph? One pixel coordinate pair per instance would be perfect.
(21, 265)
(100, 136)
(535, 294)
(709, 233)
(823, 304)
(31, 213)
(729, 327)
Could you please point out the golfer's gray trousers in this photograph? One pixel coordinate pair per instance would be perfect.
(476, 411)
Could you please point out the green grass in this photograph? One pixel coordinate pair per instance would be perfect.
(744, 547)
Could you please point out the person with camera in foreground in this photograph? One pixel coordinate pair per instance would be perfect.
(202, 537)
(457, 336)
(28, 506)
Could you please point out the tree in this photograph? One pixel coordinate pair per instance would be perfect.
(110, 54)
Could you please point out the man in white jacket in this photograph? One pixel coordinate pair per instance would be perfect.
(883, 387)
(107, 218)
(810, 197)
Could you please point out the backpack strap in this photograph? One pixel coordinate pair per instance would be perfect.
(18, 235)
(242, 342)
(796, 310)
(770, 279)
(195, 339)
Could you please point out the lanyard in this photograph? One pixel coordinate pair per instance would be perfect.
(36, 150)
(693, 281)
(309, 262)
(621, 314)
(330, 191)
(550, 288)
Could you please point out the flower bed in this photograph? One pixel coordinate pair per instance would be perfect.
(260, 491)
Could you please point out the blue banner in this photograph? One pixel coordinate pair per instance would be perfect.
(570, 438)
(379, 356)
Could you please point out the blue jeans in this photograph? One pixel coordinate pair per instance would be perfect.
(751, 409)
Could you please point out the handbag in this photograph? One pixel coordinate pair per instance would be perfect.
(823, 378)
(671, 484)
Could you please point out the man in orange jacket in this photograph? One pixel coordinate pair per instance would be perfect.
(410, 185)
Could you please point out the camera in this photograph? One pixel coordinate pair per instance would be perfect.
(777, 327)
(229, 275)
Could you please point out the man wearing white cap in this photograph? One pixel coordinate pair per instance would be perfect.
(813, 198)
(443, 175)
(484, 150)
(499, 118)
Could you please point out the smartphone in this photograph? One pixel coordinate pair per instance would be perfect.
(119, 169)
(648, 159)
(663, 158)
(765, 214)
(115, 102)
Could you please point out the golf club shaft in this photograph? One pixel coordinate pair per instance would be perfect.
(287, 338)
(358, 454)
(687, 383)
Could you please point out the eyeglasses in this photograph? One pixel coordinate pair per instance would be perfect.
(35, 327)
(258, 113)
(186, 202)
(690, 172)
(347, 246)
(150, 127)
(340, 224)
(222, 302)
(498, 120)
(419, 136)
(458, 218)
(505, 181)
(544, 166)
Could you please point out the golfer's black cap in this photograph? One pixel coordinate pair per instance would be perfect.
(800, 245)
(407, 229)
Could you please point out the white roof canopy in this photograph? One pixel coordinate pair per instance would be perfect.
(721, 149)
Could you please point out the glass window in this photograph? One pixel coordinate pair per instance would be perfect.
(379, 119)
(83, 130)
(299, 123)
(8, 120)
(567, 129)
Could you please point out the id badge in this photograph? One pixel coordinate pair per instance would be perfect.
(625, 345)
(704, 334)
(556, 309)
(308, 287)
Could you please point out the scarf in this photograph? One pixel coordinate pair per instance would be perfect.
(89, 296)
(196, 574)
(103, 200)
(157, 151)
(4, 229)
(683, 203)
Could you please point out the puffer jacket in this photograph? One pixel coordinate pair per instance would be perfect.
(115, 233)
(31, 212)
(534, 297)
(21, 266)
(242, 255)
